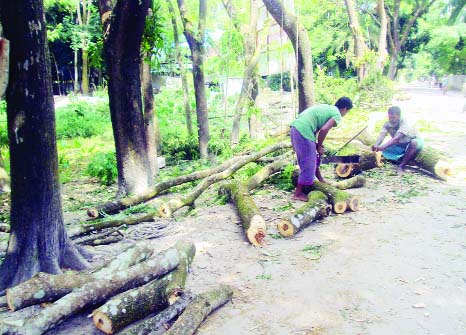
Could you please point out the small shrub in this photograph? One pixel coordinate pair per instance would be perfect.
(103, 166)
(283, 180)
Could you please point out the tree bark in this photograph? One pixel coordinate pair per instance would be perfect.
(184, 80)
(196, 45)
(137, 303)
(316, 208)
(97, 292)
(460, 4)
(156, 325)
(167, 209)
(267, 171)
(355, 182)
(151, 125)
(199, 309)
(339, 199)
(45, 287)
(360, 47)
(123, 203)
(251, 219)
(38, 241)
(382, 53)
(302, 47)
(123, 29)
(4, 64)
(251, 59)
(431, 160)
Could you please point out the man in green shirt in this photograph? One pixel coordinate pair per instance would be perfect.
(308, 133)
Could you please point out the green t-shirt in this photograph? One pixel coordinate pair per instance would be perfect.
(313, 118)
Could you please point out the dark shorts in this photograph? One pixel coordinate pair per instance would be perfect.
(307, 157)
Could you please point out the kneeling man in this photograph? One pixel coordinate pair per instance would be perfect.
(405, 142)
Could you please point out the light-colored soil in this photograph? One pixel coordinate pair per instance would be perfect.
(397, 266)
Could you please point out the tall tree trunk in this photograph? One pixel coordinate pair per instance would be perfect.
(398, 34)
(123, 28)
(196, 45)
(251, 59)
(382, 51)
(360, 47)
(253, 120)
(184, 80)
(85, 72)
(150, 118)
(38, 241)
(302, 47)
(76, 74)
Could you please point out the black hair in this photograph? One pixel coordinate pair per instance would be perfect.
(395, 110)
(344, 102)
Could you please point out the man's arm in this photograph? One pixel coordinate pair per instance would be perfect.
(382, 136)
(394, 140)
(323, 133)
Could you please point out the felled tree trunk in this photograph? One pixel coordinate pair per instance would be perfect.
(123, 203)
(156, 325)
(83, 229)
(355, 182)
(167, 209)
(96, 292)
(137, 303)
(431, 160)
(316, 208)
(199, 309)
(367, 160)
(251, 219)
(266, 172)
(46, 287)
(339, 199)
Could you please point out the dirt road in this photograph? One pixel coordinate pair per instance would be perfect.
(398, 266)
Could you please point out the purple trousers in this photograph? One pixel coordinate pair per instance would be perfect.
(307, 157)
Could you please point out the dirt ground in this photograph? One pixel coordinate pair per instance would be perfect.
(397, 266)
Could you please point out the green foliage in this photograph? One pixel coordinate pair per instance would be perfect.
(279, 81)
(328, 89)
(283, 180)
(376, 87)
(82, 119)
(312, 252)
(103, 166)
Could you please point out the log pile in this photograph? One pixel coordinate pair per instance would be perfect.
(136, 283)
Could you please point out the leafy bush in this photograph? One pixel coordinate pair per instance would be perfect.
(103, 166)
(328, 89)
(283, 180)
(279, 80)
(82, 119)
(376, 87)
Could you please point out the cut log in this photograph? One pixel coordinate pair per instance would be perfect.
(167, 209)
(316, 208)
(98, 291)
(46, 287)
(367, 160)
(137, 303)
(432, 160)
(158, 324)
(120, 204)
(355, 182)
(199, 309)
(339, 199)
(104, 240)
(90, 239)
(251, 219)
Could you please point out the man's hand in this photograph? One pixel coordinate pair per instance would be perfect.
(320, 149)
(375, 148)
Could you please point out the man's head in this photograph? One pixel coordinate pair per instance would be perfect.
(394, 115)
(344, 104)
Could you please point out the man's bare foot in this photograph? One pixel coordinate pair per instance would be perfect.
(300, 197)
(401, 171)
